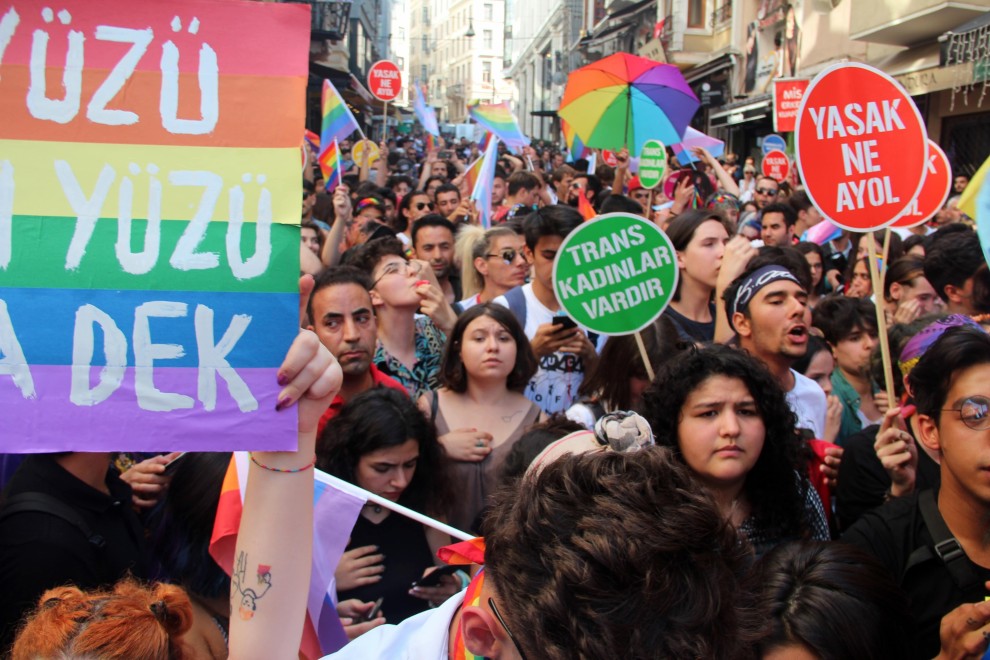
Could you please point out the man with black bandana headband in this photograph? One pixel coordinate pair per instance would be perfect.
(768, 308)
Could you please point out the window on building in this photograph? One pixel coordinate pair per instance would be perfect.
(487, 39)
(425, 43)
(696, 13)
(488, 11)
(486, 72)
(423, 74)
(400, 62)
(426, 15)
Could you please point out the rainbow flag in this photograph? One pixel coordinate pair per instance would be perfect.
(313, 139)
(485, 139)
(426, 115)
(575, 146)
(585, 208)
(330, 165)
(431, 142)
(498, 118)
(151, 251)
(338, 122)
(482, 191)
(336, 506)
(473, 171)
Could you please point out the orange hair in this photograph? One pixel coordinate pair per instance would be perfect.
(132, 621)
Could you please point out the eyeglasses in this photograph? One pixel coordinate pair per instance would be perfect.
(576, 185)
(766, 191)
(491, 604)
(974, 412)
(398, 268)
(507, 255)
(424, 205)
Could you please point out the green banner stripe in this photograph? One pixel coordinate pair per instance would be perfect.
(39, 247)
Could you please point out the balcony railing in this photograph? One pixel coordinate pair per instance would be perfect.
(722, 14)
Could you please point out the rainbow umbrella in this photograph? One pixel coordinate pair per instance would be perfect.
(624, 100)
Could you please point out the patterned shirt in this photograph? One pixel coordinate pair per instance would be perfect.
(425, 374)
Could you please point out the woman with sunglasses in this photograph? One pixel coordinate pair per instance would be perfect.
(480, 411)
(492, 262)
(725, 416)
(412, 207)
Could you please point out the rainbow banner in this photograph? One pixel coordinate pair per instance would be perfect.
(498, 118)
(149, 212)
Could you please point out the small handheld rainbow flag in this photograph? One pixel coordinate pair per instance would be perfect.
(498, 118)
(431, 142)
(338, 122)
(473, 171)
(330, 165)
(585, 208)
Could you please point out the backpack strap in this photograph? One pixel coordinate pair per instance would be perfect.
(35, 502)
(434, 406)
(517, 304)
(945, 547)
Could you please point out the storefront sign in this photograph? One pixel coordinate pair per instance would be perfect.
(787, 95)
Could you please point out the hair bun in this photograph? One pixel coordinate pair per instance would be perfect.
(160, 609)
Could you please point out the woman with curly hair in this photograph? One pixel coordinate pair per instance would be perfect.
(382, 443)
(724, 415)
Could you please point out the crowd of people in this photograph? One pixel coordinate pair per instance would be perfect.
(757, 490)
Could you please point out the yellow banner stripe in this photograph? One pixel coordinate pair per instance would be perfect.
(47, 175)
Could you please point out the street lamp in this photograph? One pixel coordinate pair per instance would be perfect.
(470, 30)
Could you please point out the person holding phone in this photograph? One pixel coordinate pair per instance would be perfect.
(381, 442)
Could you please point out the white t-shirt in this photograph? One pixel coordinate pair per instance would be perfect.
(420, 637)
(554, 388)
(808, 402)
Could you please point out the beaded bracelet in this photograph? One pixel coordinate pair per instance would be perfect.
(271, 469)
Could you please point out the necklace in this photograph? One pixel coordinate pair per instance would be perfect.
(377, 508)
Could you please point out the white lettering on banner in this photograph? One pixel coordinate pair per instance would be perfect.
(876, 118)
(613, 273)
(212, 358)
(6, 212)
(626, 299)
(606, 246)
(853, 195)
(66, 109)
(13, 363)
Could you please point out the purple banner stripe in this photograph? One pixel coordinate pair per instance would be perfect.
(119, 423)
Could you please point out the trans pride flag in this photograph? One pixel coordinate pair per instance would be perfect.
(482, 192)
(426, 115)
(336, 506)
(497, 118)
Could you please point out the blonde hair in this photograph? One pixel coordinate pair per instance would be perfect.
(473, 242)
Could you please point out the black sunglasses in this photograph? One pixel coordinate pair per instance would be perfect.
(766, 191)
(508, 255)
(424, 205)
(491, 604)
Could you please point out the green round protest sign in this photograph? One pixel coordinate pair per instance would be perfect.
(652, 163)
(615, 275)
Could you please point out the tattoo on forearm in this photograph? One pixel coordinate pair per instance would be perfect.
(245, 593)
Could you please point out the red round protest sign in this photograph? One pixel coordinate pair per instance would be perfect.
(933, 193)
(610, 158)
(861, 146)
(776, 165)
(384, 80)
